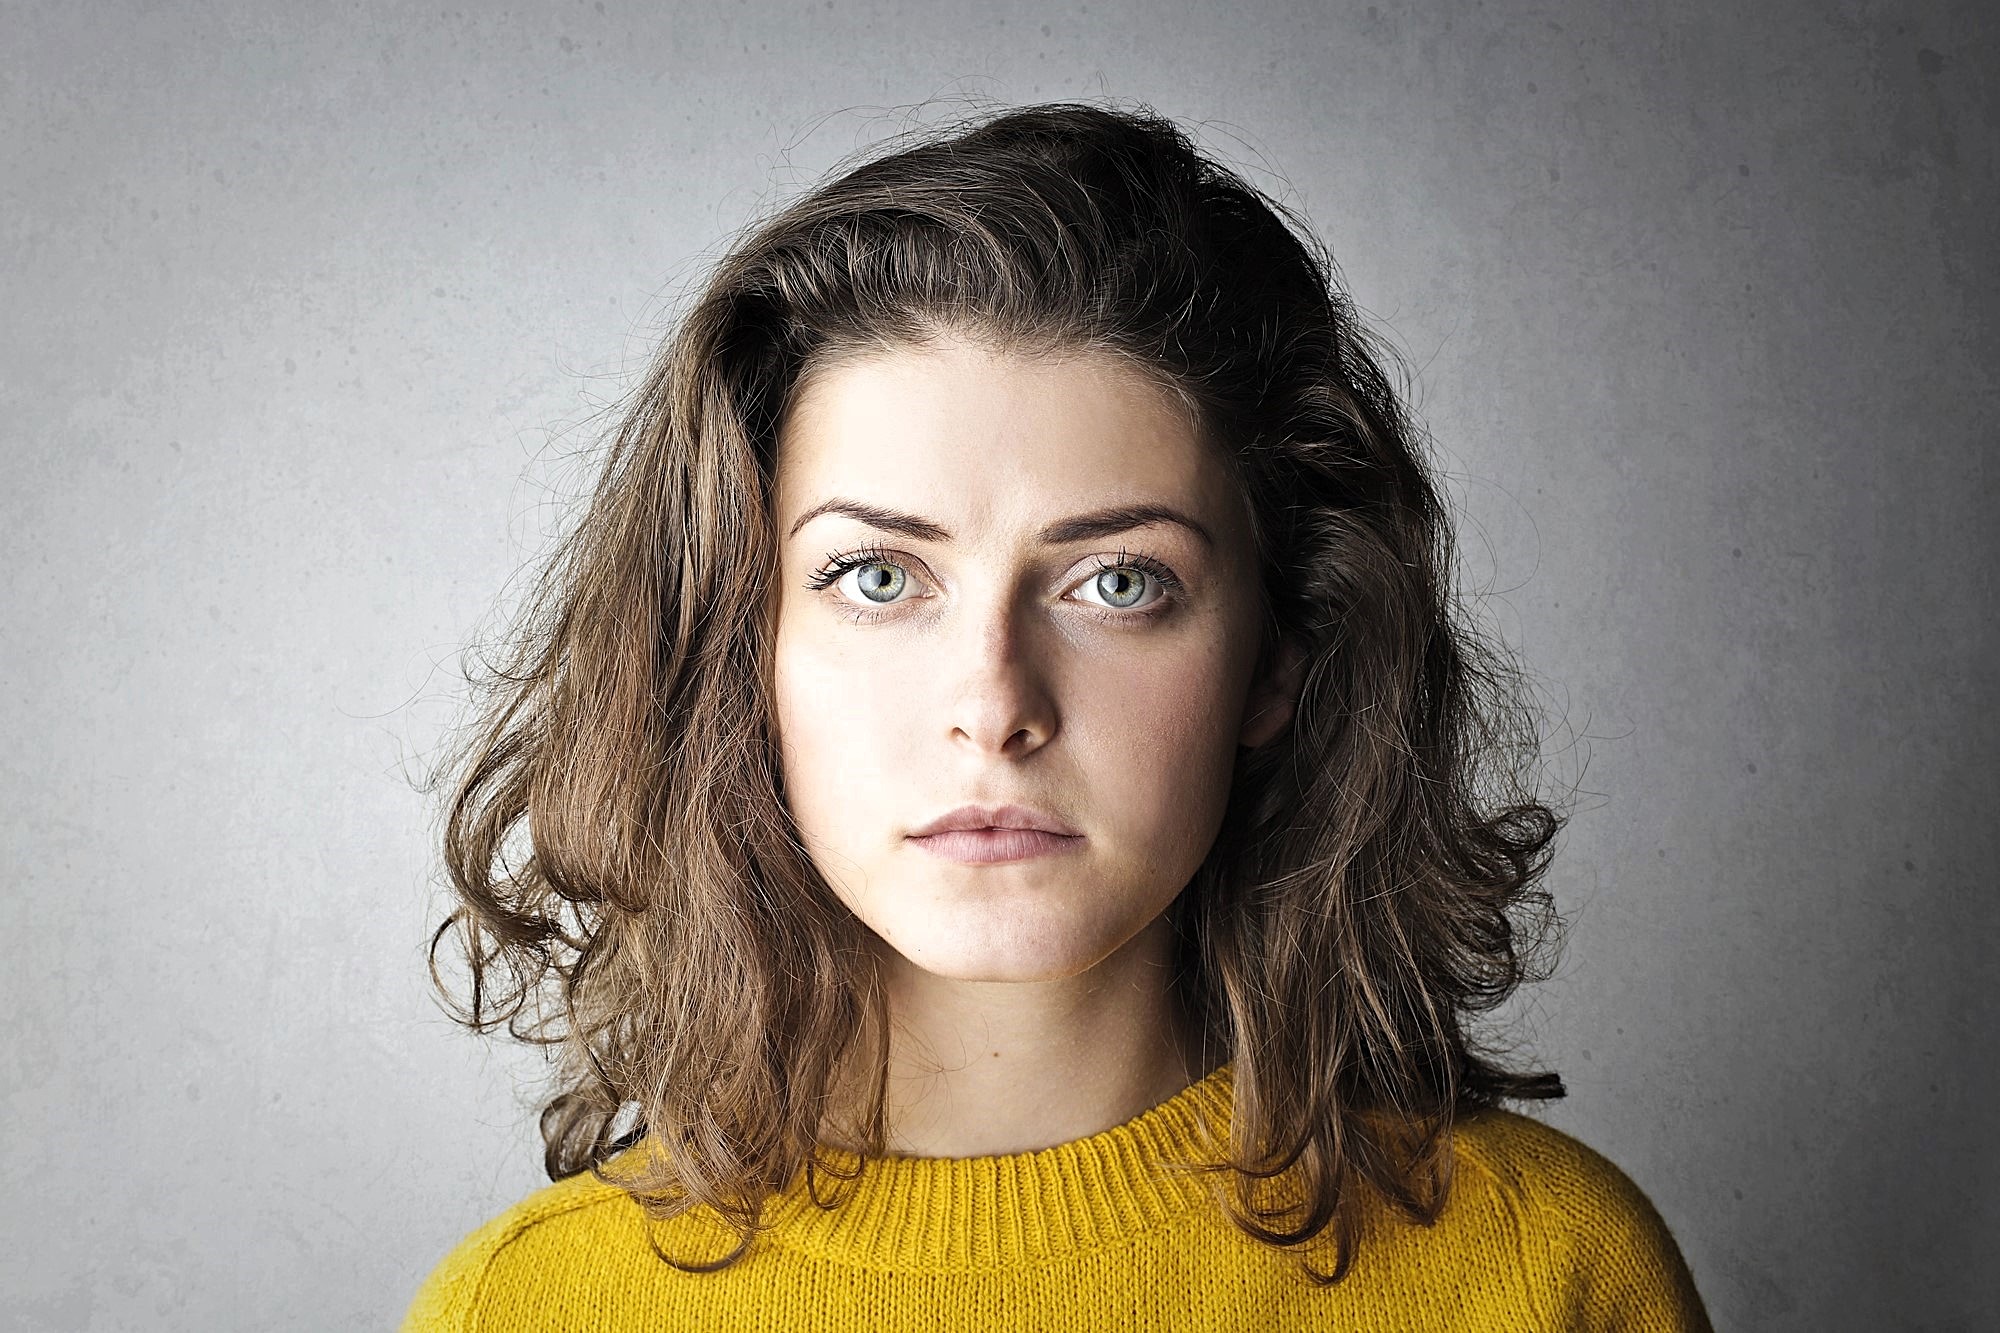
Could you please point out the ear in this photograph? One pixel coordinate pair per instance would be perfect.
(1274, 697)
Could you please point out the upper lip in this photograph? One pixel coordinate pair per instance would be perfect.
(996, 816)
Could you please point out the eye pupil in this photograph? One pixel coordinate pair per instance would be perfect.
(892, 578)
(1123, 576)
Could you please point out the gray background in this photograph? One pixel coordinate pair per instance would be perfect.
(311, 311)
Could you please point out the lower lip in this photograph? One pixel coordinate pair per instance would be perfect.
(987, 845)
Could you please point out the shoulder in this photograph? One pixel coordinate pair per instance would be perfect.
(576, 1236)
(1596, 1248)
(455, 1288)
(1549, 1169)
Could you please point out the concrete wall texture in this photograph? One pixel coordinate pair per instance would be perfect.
(310, 312)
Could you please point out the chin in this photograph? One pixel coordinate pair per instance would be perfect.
(1007, 949)
(971, 967)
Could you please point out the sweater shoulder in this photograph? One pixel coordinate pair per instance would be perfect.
(564, 1214)
(1533, 1160)
(1600, 1252)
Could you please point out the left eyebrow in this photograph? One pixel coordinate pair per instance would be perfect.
(1096, 524)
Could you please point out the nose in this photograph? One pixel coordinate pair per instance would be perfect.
(1002, 700)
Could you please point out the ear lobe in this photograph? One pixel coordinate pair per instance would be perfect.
(1269, 709)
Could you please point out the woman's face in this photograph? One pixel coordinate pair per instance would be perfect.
(969, 659)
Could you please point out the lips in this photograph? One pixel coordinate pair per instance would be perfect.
(977, 817)
(991, 845)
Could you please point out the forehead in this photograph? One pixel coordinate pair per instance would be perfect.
(989, 438)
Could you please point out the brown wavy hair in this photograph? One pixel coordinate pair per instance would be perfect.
(1373, 885)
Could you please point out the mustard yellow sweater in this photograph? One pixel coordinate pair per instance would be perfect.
(1540, 1232)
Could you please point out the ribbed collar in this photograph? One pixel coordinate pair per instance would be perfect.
(955, 1213)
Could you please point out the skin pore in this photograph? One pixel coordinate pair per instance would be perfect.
(1029, 1000)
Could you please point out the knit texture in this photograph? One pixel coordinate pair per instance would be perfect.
(1539, 1233)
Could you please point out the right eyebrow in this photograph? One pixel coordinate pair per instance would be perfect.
(1096, 524)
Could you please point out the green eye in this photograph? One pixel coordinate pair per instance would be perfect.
(1122, 582)
(874, 580)
(1121, 587)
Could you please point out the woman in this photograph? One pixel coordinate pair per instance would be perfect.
(1014, 826)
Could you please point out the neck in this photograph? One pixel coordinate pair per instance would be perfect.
(984, 1068)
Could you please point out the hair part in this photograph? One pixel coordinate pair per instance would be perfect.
(1374, 883)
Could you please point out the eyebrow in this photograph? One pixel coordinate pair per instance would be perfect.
(1098, 523)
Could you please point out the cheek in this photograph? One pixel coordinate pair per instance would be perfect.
(1159, 737)
(835, 714)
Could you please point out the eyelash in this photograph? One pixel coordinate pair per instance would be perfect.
(838, 563)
